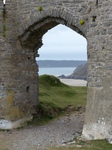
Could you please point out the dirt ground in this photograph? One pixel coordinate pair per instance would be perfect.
(57, 132)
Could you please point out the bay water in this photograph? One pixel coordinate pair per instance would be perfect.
(57, 71)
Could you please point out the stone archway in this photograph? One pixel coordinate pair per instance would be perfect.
(31, 40)
(18, 70)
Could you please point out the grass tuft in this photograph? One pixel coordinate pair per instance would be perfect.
(88, 145)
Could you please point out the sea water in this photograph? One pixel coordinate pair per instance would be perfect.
(57, 71)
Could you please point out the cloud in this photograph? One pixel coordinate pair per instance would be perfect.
(63, 43)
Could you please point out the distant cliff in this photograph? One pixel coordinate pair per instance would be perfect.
(59, 63)
(79, 73)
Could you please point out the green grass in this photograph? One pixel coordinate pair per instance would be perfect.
(57, 94)
(55, 98)
(88, 145)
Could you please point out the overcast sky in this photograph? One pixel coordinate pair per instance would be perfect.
(62, 43)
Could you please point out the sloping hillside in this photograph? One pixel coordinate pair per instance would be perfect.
(79, 73)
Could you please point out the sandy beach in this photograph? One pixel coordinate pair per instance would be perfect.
(74, 82)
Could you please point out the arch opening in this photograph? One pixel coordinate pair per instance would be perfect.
(31, 41)
(32, 37)
(68, 94)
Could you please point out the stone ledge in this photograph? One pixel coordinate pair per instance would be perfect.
(9, 125)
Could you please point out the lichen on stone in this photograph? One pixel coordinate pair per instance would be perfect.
(40, 8)
(81, 22)
(13, 111)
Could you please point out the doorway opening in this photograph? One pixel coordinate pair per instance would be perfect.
(63, 49)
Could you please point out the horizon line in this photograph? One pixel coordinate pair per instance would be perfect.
(58, 60)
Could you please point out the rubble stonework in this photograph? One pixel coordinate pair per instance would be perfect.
(25, 24)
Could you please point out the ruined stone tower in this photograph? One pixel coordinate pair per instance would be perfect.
(22, 25)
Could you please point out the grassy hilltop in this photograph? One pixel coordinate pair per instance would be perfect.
(56, 97)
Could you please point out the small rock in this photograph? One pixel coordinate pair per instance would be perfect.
(110, 141)
(63, 141)
(73, 142)
(79, 146)
(38, 145)
(76, 134)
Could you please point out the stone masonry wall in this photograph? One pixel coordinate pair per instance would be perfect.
(25, 26)
(18, 73)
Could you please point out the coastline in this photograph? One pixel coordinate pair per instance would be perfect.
(74, 82)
